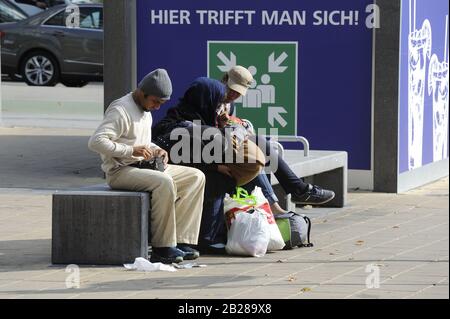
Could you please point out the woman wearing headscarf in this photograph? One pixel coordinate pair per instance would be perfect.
(197, 113)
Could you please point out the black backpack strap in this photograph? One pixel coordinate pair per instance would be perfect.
(309, 244)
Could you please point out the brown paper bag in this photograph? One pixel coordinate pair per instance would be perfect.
(253, 162)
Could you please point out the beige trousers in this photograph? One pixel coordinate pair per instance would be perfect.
(177, 201)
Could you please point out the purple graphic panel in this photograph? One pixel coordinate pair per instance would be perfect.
(334, 71)
(423, 136)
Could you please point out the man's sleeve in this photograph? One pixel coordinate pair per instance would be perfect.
(112, 128)
(154, 146)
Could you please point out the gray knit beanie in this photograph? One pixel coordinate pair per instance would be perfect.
(157, 83)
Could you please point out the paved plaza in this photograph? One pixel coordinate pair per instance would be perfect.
(402, 238)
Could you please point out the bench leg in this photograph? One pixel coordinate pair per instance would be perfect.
(335, 180)
(99, 229)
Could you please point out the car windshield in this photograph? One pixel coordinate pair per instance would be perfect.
(9, 13)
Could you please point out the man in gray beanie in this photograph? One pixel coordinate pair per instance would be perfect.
(123, 140)
(157, 83)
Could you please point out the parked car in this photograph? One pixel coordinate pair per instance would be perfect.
(43, 50)
(9, 12)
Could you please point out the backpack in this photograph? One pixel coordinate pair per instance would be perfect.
(295, 230)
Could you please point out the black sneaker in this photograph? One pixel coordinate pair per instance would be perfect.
(189, 252)
(313, 196)
(166, 255)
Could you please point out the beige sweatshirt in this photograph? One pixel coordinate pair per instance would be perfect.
(125, 125)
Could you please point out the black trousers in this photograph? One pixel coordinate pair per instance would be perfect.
(289, 181)
(213, 229)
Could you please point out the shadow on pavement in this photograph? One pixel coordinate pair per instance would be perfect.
(25, 255)
(48, 162)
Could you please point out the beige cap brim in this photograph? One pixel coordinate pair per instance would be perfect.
(241, 89)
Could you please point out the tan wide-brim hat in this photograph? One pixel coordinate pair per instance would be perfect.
(239, 79)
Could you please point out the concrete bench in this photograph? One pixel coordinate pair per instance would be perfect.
(99, 226)
(327, 169)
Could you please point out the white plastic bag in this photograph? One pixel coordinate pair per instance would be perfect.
(276, 239)
(249, 234)
(243, 202)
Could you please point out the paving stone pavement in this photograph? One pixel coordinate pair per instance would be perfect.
(402, 238)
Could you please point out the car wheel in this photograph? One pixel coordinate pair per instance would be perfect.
(40, 69)
(72, 83)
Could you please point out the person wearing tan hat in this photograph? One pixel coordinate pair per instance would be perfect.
(238, 80)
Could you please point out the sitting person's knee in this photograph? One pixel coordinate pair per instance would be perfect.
(196, 175)
(166, 182)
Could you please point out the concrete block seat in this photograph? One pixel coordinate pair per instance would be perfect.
(99, 226)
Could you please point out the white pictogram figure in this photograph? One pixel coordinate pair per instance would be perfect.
(253, 70)
(438, 88)
(253, 99)
(267, 90)
(419, 44)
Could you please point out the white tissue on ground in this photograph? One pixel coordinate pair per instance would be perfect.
(142, 264)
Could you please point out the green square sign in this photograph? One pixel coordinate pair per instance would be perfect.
(271, 102)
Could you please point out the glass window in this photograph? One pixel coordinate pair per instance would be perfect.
(91, 18)
(56, 20)
(9, 14)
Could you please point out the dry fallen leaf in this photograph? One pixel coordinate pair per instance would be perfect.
(305, 289)
(292, 278)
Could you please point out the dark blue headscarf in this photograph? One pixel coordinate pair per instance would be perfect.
(201, 101)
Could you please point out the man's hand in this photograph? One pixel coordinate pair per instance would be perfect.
(159, 152)
(143, 151)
